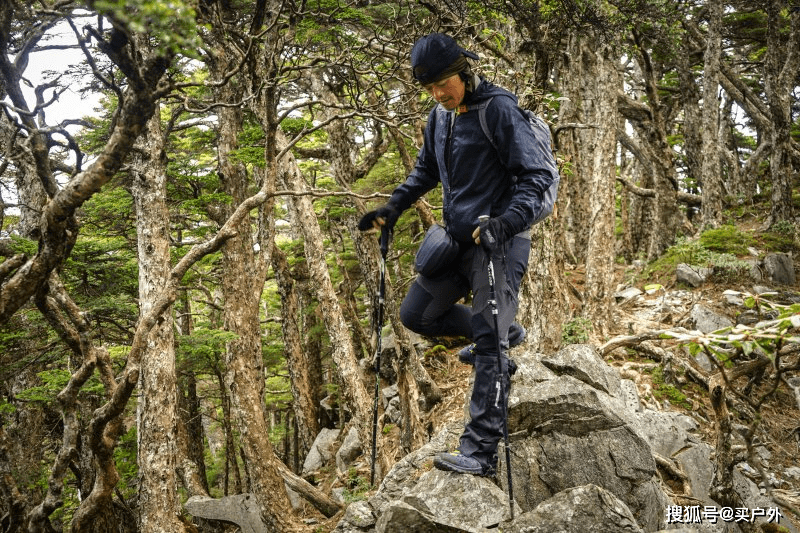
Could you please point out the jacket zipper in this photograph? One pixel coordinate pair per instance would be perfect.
(448, 148)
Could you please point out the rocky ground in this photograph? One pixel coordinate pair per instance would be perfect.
(666, 306)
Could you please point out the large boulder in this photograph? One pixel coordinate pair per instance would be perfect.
(583, 457)
(239, 509)
(574, 438)
(780, 268)
(322, 451)
(588, 509)
(444, 501)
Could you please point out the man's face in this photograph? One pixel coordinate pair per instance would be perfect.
(449, 92)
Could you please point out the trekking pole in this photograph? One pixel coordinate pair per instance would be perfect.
(386, 235)
(500, 385)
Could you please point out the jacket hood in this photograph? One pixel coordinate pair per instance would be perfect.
(479, 89)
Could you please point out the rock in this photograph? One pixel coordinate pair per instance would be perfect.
(582, 456)
(563, 404)
(583, 362)
(587, 508)
(393, 412)
(349, 450)
(240, 509)
(733, 298)
(451, 499)
(707, 321)
(691, 275)
(573, 435)
(358, 517)
(329, 410)
(387, 393)
(401, 517)
(780, 268)
(627, 295)
(762, 289)
(321, 451)
(404, 474)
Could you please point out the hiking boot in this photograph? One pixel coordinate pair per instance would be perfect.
(516, 334)
(461, 464)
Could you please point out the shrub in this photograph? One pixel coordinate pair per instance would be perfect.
(576, 331)
(726, 240)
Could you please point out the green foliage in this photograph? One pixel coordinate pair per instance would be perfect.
(251, 146)
(21, 245)
(277, 433)
(664, 390)
(356, 487)
(766, 337)
(203, 345)
(781, 237)
(6, 408)
(725, 266)
(53, 382)
(127, 462)
(729, 269)
(434, 351)
(293, 126)
(172, 24)
(576, 331)
(726, 239)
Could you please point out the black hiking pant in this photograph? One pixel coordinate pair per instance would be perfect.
(431, 308)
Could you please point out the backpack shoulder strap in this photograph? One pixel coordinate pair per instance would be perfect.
(482, 118)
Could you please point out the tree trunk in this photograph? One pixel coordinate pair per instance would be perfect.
(573, 143)
(597, 94)
(692, 117)
(158, 503)
(544, 295)
(778, 82)
(711, 175)
(300, 379)
(242, 282)
(191, 463)
(667, 218)
(354, 391)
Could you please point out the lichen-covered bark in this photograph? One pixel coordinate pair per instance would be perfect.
(711, 172)
(597, 90)
(159, 505)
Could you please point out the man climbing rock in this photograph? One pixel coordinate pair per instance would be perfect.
(504, 181)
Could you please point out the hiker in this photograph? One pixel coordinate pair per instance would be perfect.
(504, 178)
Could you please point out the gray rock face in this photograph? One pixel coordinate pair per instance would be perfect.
(584, 363)
(348, 451)
(588, 509)
(708, 321)
(780, 268)
(321, 451)
(240, 509)
(691, 275)
(574, 437)
(582, 456)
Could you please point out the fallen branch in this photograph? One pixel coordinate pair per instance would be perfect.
(674, 470)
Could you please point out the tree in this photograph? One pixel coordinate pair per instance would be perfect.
(711, 175)
(597, 84)
(159, 506)
(781, 65)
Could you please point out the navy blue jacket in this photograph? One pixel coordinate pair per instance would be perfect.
(476, 179)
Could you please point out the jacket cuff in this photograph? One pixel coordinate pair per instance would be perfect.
(512, 223)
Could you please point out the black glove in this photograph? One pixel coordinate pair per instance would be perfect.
(490, 234)
(383, 216)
